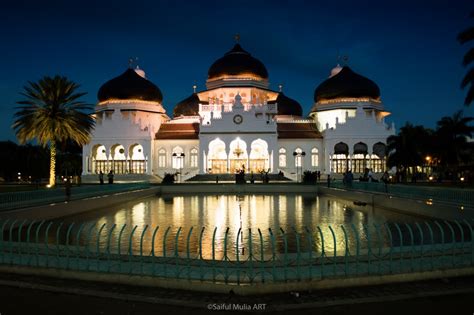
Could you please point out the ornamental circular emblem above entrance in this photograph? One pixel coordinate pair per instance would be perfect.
(238, 119)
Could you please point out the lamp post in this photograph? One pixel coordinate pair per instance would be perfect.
(180, 157)
(298, 162)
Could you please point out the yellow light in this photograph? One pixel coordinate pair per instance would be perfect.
(48, 186)
(430, 178)
(428, 158)
(462, 179)
(349, 100)
(115, 101)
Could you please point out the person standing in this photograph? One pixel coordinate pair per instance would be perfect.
(110, 176)
(67, 186)
(101, 178)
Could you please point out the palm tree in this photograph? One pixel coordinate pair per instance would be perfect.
(464, 37)
(52, 113)
(452, 134)
(409, 147)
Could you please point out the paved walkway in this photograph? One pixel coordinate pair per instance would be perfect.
(23, 294)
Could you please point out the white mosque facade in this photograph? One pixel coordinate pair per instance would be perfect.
(237, 123)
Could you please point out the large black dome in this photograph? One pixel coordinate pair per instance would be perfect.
(346, 83)
(287, 106)
(129, 85)
(237, 61)
(188, 107)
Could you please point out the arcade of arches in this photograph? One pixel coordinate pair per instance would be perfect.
(238, 156)
(359, 158)
(119, 159)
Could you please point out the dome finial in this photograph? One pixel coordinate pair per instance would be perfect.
(237, 38)
(132, 61)
(280, 87)
(343, 59)
(194, 87)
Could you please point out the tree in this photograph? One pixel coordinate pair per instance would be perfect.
(452, 134)
(409, 147)
(53, 113)
(468, 81)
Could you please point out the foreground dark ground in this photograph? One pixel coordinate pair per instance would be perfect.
(26, 295)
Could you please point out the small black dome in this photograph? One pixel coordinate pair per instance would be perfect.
(129, 85)
(346, 83)
(188, 107)
(287, 106)
(237, 61)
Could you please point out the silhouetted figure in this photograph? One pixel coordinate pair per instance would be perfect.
(217, 179)
(110, 176)
(329, 180)
(101, 178)
(67, 187)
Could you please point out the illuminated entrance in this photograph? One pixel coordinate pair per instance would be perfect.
(238, 158)
(217, 158)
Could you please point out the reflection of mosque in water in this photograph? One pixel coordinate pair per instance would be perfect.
(237, 123)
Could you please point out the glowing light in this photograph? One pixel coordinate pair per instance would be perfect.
(462, 179)
(349, 100)
(48, 186)
(128, 101)
(428, 158)
(430, 178)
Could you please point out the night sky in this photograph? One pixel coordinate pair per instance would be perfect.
(409, 49)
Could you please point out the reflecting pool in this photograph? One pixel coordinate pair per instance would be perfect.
(214, 226)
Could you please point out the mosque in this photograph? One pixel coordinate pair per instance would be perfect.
(237, 124)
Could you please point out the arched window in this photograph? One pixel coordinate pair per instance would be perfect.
(339, 160)
(194, 157)
(162, 158)
(177, 158)
(282, 157)
(314, 157)
(298, 157)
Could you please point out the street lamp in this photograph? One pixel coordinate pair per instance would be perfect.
(298, 155)
(180, 157)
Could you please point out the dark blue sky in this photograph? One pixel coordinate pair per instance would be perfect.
(408, 48)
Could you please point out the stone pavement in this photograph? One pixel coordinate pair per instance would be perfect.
(35, 295)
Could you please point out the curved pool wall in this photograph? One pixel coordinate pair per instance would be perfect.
(238, 256)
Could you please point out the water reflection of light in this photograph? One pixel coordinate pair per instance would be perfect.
(138, 214)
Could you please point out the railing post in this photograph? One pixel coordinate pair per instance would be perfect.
(153, 249)
(226, 276)
(141, 248)
(262, 258)
(323, 252)
(461, 230)
(272, 237)
(201, 260)
(285, 264)
(346, 249)
(389, 232)
(421, 244)
(379, 241)
(2, 231)
(38, 228)
(335, 250)
(165, 236)
(78, 237)
(310, 251)
(472, 240)
(431, 244)
(176, 252)
(442, 241)
(237, 255)
(298, 254)
(107, 249)
(130, 249)
(57, 243)
(28, 245)
(188, 256)
(97, 249)
(119, 247)
(252, 275)
(453, 243)
(19, 240)
(46, 241)
(213, 255)
(88, 240)
(412, 243)
(400, 235)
